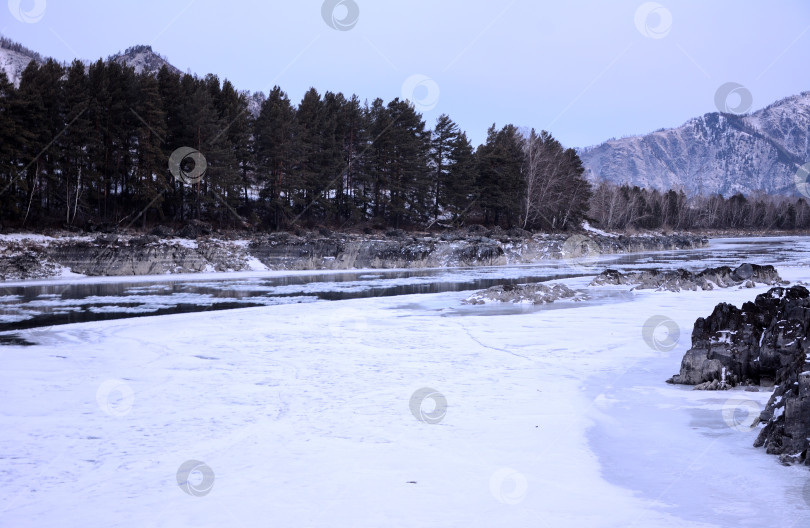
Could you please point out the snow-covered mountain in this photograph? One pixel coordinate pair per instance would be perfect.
(143, 59)
(715, 153)
(14, 58)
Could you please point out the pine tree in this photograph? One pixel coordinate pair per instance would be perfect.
(77, 133)
(333, 162)
(378, 159)
(500, 183)
(274, 133)
(441, 145)
(177, 134)
(12, 135)
(41, 102)
(355, 144)
(236, 160)
(453, 165)
(310, 122)
(409, 183)
(150, 179)
(460, 188)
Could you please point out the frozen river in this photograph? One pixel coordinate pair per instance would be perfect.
(32, 304)
(376, 399)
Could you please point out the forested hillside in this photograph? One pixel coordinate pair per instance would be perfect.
(92, 145)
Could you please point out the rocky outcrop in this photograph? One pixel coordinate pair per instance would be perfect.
(18, 264)
(146, 255)
(285, 251)
(747, 275)
(787, 416)
(196, 247)
(751, 345)
(476, 247)
(535, 293)
(765, 343)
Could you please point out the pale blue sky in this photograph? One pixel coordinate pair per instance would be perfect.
(581, 69)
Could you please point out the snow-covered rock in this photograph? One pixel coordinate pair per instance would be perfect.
(745, 275)
(144, 60)
(522, 293)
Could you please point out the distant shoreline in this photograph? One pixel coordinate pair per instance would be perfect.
(31, 256)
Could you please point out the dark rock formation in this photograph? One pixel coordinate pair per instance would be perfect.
(764, 342)
(25, 264)
(194, 229)
(143, 240)
(713, 385)
(162, 231)
(107, 239)
(723, 277)
(517, 232)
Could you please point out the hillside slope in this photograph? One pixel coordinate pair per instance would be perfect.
(715, 153)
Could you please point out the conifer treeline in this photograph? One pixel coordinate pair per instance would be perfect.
(622, 207)
(83, 146)
(92, 144)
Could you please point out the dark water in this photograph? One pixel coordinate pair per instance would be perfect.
(24, 306)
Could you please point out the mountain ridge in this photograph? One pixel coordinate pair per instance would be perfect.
(14, 58)
(714, 153)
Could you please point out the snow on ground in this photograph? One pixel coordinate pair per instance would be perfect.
(43, 240)
(301, 415)
(589, 228)
(183, 242)
(255, 264)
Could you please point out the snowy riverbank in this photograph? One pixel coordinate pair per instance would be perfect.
(30, 256)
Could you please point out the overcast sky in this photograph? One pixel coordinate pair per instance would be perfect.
(584, 70)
